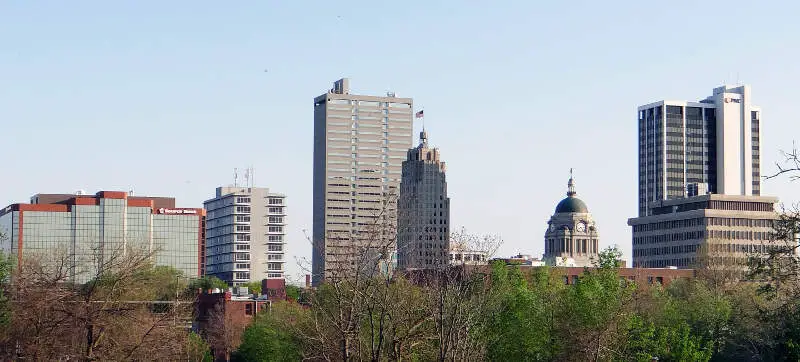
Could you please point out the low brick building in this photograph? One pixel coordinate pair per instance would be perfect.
(222, 316)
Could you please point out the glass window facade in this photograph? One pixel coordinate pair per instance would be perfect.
(677, 148)
(90, 233)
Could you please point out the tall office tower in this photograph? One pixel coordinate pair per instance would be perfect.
(423, 216)
(691, 148)
(360, 143)
(246, 235)
(699, 182)
(91, 229)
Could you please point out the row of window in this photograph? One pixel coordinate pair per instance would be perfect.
(674, 249)
(654, 239)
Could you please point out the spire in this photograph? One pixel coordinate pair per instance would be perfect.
(423, 138)
(571, 185)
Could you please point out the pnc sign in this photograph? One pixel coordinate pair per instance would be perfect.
(177, 211)
(732, 100)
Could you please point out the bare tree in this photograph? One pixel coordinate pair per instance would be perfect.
(226, 334)
(111, 317)
(790, 164)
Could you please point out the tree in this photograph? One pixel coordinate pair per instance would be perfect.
(608, 258)
(598, 306)
(523, 324)
(6, 268)
(293, 292)
(253, 287)
(197, 349)
(208, 282)
(270, 337)
(104, 319)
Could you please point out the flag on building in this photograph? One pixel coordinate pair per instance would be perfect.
(420, 114)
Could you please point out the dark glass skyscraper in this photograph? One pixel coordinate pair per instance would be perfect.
(690, 148)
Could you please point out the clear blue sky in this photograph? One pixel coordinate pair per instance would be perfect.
(167, 97)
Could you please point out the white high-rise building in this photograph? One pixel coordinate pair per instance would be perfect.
(710, 146)
(246, 235)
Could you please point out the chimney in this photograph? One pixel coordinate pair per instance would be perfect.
(308, 281)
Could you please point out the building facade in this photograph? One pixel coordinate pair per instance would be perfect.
(93, 228)
(699, 182)
(246, 235)
(360, 143)
(689, 148)
(571, 238)
(679, 232)
(423, 237)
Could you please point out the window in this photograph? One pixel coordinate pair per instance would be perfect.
(275, 247)
(274, 266)
(241, 247)
(248, 309)
(243, 228)
(274, 229)
(275, 238)
(242, 237)
(243, 209)
(276, 210)
(242, 218)
(276, 219)
(275, 201)
(242, 265)
(243, 200)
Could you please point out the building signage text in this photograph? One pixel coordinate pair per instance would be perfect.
(176, 211)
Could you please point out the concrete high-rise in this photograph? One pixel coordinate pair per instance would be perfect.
(246, 235)
(690, 148)
(360, 143)
(423, 220)
(699, 182)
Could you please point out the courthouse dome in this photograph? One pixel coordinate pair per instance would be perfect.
(571, 203)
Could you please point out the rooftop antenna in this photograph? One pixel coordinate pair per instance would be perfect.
(247, 177)
(235, 177)
(252, 176)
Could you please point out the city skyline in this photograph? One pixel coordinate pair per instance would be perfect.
(490, 96)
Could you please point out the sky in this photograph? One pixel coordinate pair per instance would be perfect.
(168, 97)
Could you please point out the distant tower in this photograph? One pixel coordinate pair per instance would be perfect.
(711, 145)
(571, 238)
(359, 145)
(423, 234)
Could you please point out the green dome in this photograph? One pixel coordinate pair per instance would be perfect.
(571, 204)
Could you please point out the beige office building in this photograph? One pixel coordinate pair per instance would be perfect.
(678, 232)
(360, 143)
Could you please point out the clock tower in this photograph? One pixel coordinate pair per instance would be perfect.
(571, 238)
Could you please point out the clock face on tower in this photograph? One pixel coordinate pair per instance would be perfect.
(581, 227)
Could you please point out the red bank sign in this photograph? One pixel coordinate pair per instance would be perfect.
(177, 211)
